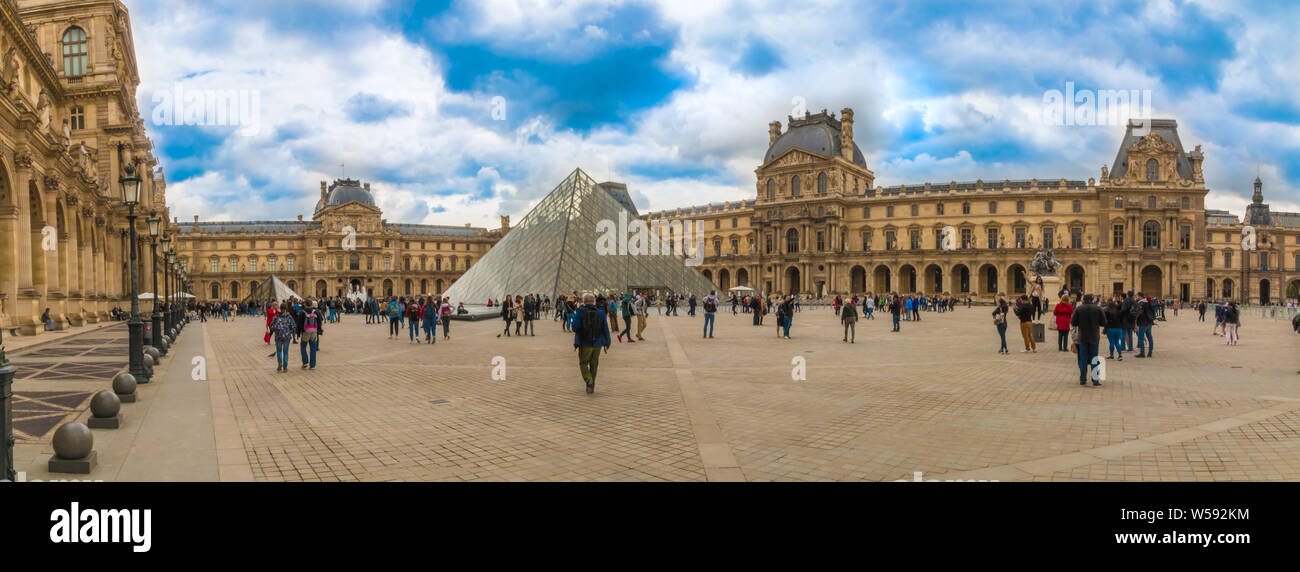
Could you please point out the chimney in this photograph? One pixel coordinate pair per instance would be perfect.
(299, 218)
(367, 185)
(196, 218)
(505, 222)
(773, 132)
(467, 225)
(322, 190)
(846, 133)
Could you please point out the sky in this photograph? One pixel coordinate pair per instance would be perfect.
(460, 111)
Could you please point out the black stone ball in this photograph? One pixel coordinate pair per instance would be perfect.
(73, 441)
(105, 404)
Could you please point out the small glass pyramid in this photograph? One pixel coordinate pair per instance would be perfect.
(553, 250)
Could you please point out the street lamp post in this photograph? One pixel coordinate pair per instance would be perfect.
(168, 261)
(155, 228)
(130, 183)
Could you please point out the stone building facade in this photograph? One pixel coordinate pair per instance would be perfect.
(819, 224)
(1268, 274)
(68, 74)
(346, 246)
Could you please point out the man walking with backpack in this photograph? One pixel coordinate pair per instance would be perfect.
(590, 336)
(309, 331)
(710, 311)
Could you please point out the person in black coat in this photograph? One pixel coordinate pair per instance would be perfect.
(1090, 320)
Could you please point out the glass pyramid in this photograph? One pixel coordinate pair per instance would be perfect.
(553, 250)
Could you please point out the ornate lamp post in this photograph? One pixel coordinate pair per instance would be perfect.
(169, 260)
(155, 229)
(130, 183)
(166, 243)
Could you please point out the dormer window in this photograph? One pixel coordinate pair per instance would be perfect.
(1153, 170)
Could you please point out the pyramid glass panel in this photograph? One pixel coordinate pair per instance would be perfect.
(553, 251)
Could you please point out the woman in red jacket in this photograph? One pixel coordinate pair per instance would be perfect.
(1063, 311)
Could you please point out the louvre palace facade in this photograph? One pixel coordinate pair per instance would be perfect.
(69, 79)
(346, 246)
(818, 224)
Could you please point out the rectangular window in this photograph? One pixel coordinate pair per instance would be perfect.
(866, 240)
(1049, 237)
(938, 209)
(735, 222)
(77, 118)
(717, 224)
(1227, 259)
(1020, 237)
(993, 208)
(338, 262)
(1117, 236)
(272, 244)
(967, 238)
(289, 265)
(821, 241)
(866, 212)
(916, 239)
(1077, 206)
(1263, 261)
(992, 235)
(214, 266)
(916, 210)
(388, 263)
(1020, 207)
(1076, 237)
(767, 244)
(890, 240)
(889, 212)
(320, 264)
(1185, 238)
(735, 246)
(1047, 206)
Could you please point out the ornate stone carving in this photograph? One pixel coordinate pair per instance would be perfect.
(23, 160)
(53, 181)
(1152, 144)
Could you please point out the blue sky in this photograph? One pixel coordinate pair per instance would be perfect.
(459, 111)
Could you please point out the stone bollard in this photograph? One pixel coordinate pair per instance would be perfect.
(155, 353)
(73, 450)
(105, 409)
(124, 387)
(147, 363)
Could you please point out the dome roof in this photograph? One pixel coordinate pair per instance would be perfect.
(346, 191)
(819, 134)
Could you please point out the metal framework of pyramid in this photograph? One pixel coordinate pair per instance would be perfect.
(271, 289)
(553, 250)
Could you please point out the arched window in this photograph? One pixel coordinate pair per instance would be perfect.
(216, 291)
(1153, 170)
(1151, 235)
(794, 186)
(74, 52)
(77, 117)
(771, 189)
(821, 183)
(792, 240)
(354, 262)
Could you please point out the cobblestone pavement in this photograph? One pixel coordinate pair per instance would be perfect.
(934, 399)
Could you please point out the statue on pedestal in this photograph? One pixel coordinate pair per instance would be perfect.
(1044, 264)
